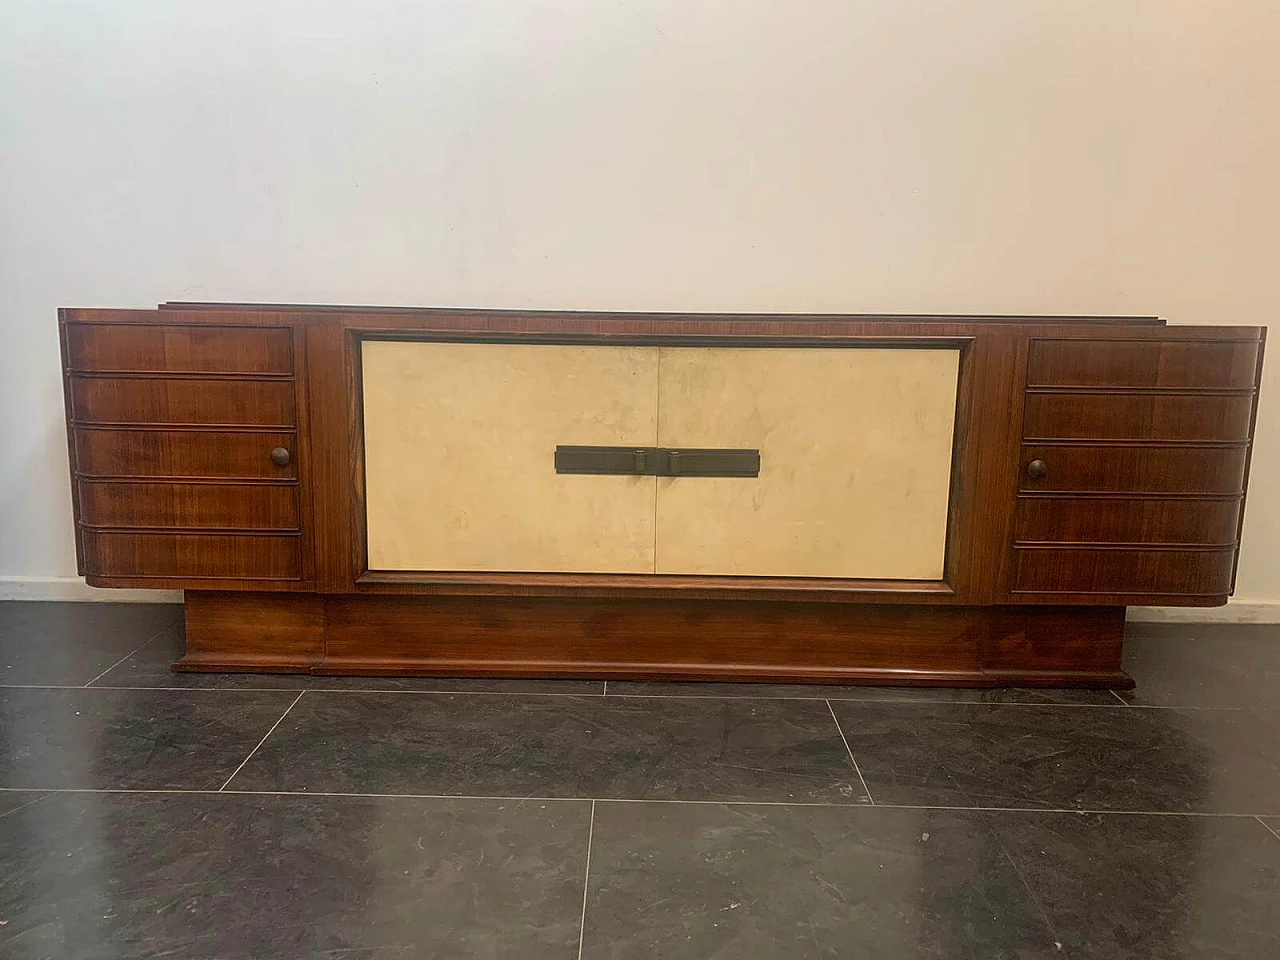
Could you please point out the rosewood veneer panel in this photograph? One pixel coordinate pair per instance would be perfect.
(182, 453)
(179, 349)
(1123, 520)
(1193, 364)
(1119, 570)
(646, 639)
(197, 556)
(1084, 468)
(219, 505)
(1096, 416)
(155, 400)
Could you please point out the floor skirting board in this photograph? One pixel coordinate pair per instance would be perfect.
(75, 589)
(1241, 611)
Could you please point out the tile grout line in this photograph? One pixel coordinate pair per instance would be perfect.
(1079, 811)
(1035, 900)
(1274, 833)
(618, 696)
(605, 691)
(133, 651)
(586, 880)
(853, 760)
(261, 742)
(1120, 698)
(43, 796)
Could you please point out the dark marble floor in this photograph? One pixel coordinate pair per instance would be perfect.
(151, 814)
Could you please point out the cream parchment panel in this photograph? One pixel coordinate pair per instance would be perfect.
(460, 442)
(855, 461)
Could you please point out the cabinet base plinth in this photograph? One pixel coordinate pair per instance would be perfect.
(922, 645)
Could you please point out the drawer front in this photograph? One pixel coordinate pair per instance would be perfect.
(158, 400)
(1070, 416)
(179, 349)
(1121, 571)
(224, 506)
(1125, 469)
(214, 556)
(182, 453)
(1195, 364)
(1124, 520)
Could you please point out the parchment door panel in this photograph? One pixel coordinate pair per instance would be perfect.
(459, 456)
(855, 461)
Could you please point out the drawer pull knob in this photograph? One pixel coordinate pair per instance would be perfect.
(280, 457)
(1037, 469)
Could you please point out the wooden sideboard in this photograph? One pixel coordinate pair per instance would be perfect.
(913, 499)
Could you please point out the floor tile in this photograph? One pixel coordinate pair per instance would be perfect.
(997, 755)
(96, 876)
(71, 643)
(1119, 887)
(782, 750)
(714, 882)
(147, 739)
(149, 667)
(1204, 665)
(801, 691)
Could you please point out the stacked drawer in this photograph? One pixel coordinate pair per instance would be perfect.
(1133, 464)
(184, 450)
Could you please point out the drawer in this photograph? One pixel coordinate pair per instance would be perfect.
(182, 453)
(153, 555)
(1219, 364)
(1125, 520)
(1132, 469)
(179, 349)
(1095, 416)
(161, 400)
(228, 506)
(1065, 570)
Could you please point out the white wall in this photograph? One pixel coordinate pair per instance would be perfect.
(1042, 156)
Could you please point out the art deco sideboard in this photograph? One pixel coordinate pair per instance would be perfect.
(918, 499)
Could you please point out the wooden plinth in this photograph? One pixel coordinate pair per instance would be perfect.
(747, 640)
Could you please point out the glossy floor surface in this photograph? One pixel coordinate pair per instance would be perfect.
(151, 814)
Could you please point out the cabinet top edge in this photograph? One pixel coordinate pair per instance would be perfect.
(196, 306)
(591, 325)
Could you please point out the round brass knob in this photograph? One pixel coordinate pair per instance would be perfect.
(280, 457)
(1037, 469)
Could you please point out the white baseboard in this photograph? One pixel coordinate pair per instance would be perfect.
(1237, 611)
(74, 588)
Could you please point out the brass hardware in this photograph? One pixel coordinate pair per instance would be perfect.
(280, 457)
(1037, 469)
(657, 461)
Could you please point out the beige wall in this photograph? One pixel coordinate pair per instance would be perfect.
(843, 155)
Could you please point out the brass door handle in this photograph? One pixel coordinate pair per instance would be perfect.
(280, 457)
(1037, 469)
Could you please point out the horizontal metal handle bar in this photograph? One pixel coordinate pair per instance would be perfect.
(657, 461)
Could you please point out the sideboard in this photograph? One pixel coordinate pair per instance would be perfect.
(882, 499)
